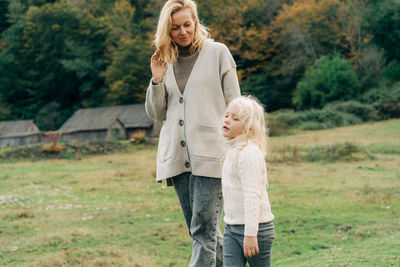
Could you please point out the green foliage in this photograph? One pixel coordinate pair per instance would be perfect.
(337, 152)
(276, 127)
(87, 64)
(96, 52)
(4, 24)
(271, 93)
(5, 110)
(10, 81)
(96, 8)
(383, 21)
(346, 151)
(127, 79)
(314, 119)
(61, 59)
(392, 71)
(385, 100)
(369, 66)
(257, 85)
(366, 112)
(50, 117)
(375, 104)
(329, 80)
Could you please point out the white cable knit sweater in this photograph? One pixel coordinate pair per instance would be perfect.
(244, 187)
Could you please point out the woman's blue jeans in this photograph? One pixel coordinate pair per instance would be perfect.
(233, 246)
(201, 201)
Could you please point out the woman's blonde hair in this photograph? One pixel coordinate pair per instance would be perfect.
(163, 41)
(252, 115)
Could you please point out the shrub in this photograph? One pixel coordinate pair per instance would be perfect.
(276, 127)
(327, 119)
(314, 119)
(327, 153)
(313, 125)
(365, 112)
(385, 100)
(337, 152)
(375, 104)
(285, 118)
(392, 71)
(329, 80)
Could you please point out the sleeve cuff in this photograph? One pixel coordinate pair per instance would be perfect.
(251, 232)
(154, 83)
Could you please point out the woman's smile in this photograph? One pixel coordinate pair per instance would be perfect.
(183, 27)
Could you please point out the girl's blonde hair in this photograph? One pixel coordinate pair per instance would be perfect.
(163, 41)
(253, 117)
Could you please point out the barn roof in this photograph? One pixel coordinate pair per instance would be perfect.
(19, 127)
(91, 119)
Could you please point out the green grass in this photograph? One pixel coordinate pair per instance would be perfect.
(109, 211)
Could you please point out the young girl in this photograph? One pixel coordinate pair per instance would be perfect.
(249, 230)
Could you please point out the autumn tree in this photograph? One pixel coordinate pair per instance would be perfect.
(128, 74)
(60, 55)
(57, 55)
(303, 32)
(244, 28)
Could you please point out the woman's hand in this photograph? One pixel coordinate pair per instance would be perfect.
(158, 67)
(250, 246)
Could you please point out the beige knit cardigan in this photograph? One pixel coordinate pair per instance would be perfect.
(190, 138)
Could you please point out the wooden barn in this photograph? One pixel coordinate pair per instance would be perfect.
(19, 133)
(117, 122)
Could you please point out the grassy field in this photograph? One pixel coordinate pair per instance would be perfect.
(108, 211)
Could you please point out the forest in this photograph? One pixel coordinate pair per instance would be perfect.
(301, 58)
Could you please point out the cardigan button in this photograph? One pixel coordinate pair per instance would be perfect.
(181, 100)
(187, 164)
(181, 122)
(183, 143)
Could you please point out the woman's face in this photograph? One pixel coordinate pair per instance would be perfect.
(183, 27)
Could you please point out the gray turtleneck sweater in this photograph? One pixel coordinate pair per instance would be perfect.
(183, 66)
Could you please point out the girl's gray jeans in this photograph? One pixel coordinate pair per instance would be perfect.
(233, 246)
(201, 202)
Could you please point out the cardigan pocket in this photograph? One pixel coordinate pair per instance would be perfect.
(164, 145)
(207, 142)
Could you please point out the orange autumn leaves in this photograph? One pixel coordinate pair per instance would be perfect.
(290, 37)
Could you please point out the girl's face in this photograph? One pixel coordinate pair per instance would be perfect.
(232, 125)
(183, 27)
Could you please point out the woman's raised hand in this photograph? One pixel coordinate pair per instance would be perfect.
(158, 67)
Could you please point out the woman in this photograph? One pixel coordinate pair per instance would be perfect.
(194, 79)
